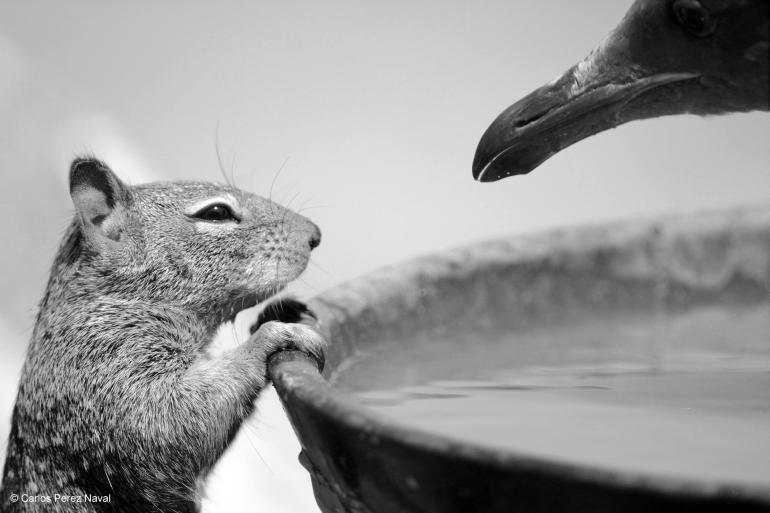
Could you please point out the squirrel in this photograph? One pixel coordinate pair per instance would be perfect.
(119, 406)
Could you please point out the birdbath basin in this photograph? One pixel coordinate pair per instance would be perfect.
(617, 368)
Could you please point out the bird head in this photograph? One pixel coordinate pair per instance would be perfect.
(665, 57)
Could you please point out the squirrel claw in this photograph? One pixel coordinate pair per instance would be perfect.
(277, 336)
(285, 310)
(294, 323)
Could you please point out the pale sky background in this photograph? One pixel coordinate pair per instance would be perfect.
(377, 106)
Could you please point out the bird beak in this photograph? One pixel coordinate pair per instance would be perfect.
(606, 89)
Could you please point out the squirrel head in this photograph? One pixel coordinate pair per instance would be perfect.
(210, 248)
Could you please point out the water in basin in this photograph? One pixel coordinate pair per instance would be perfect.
(683, 394)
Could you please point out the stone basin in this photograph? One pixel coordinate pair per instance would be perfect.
(635, 341)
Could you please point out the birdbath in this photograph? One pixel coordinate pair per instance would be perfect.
(617, 368)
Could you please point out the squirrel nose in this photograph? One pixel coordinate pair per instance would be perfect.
(315, 238)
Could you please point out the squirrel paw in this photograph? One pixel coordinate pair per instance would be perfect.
(275, 336)
(285, 310)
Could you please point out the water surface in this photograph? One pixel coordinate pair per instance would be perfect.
(685, 394)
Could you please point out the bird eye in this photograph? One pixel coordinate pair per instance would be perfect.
(695, 19)
(216, 213)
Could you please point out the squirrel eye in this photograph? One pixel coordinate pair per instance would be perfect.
(695, 19)
(217, 212)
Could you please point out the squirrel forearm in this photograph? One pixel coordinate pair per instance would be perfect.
(204, 404)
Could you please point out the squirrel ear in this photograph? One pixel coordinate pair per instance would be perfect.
(99, 197)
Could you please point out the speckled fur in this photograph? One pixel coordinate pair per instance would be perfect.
(117, 396)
